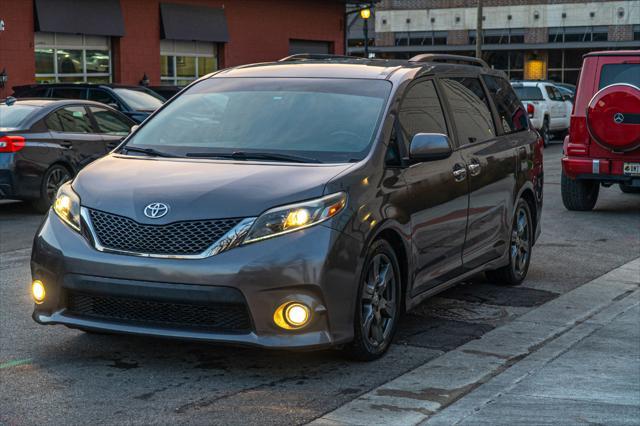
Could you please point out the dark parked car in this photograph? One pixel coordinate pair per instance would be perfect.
(136, 102)
(167, 92)
(300, 204)
(44, 143)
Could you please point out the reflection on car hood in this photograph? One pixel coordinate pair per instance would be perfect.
(197, 189)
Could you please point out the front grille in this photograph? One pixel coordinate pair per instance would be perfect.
(212, 317)
(178, 238)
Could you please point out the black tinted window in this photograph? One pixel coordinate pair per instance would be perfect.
(110, 122)
(74, 120)
(510, 110)
(67, 93)
(620, 73)
(53, 122)
(421, 111)
(530, 93)
(471, 114)
(101, 96)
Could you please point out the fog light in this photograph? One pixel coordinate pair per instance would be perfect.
(292, 315)
(37, 291)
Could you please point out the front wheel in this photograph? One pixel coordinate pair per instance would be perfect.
(520, 247)
(378, 305)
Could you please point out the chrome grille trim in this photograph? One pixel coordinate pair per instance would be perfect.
(231, 239)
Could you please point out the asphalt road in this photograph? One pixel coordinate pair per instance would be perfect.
(54, 375)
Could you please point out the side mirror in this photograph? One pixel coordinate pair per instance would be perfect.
(567, 98)
(429, 147)
(134, 128)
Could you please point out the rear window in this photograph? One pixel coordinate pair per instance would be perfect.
(620, 73)
(139, 100)
(528, 93)
(14, 116)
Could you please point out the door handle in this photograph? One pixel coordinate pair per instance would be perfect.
(474, 167)
(459, 173)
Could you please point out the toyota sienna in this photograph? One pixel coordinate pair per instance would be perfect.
(305, 203)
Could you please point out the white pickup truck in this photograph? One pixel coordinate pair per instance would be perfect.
(549, 111)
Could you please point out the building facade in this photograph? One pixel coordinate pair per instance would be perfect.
(169, 42)
(530, 39)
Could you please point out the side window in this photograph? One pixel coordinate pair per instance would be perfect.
(102, 96)
(110, 122)
(67, 93)
(53, 122)
(74, 120)
(470, 111)
(421, 111)
(553, 93)
(512, 114)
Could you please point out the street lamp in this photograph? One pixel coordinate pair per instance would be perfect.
(365, 14)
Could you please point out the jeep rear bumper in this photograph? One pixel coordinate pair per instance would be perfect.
(607, 171)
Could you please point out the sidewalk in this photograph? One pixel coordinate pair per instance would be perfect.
(574, 360)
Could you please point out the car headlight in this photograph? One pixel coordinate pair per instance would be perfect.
(67, 206)
(285, 219)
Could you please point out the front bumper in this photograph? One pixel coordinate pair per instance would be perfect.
(604, 170)
(318, 266)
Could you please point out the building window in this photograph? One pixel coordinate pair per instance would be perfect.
(421, 38)
(72, 58)
(577, 34)
(181, 62)
(636, 32)
(503, 36)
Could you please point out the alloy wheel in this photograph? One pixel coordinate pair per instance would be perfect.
(56, 178)
(379, 301)
(520, 242)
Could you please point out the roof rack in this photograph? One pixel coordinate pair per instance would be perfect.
(438, 57)
(315, 56)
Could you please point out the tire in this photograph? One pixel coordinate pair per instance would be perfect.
(579, 195)
(520, 246)
(378, 304)
(628, 189)
(53, 178)
(544, 132)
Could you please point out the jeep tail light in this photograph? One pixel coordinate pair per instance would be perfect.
(530, 109)
(11, 143)
(577, 142)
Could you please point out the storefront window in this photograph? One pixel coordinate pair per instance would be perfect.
(182, 62)
(72, 58)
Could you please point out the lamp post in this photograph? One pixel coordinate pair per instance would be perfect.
(479, 31)
(365, 14)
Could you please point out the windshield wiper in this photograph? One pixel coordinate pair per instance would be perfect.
(148, 151)
(240, 155)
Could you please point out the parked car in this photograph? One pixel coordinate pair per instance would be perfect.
(299, 204)
(603, 145)
(167, 92)
(567, 93)
(548, 110)
(44, 143)
(136, 102)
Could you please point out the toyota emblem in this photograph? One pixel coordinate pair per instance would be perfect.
(156, 210)
(618, 118)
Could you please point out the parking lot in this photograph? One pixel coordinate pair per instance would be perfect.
(55, 375)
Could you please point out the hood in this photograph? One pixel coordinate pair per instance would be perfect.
(197, 189)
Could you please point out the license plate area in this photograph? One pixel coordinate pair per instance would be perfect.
(631, 169)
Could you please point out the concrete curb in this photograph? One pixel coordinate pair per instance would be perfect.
(419, 394)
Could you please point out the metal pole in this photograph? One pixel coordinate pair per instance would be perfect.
(479, 31)
(366, 38)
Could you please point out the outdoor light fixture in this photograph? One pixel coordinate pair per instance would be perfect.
(365, 13)
(1, 25)
(536, 15)
(3, 77)
(145, 80)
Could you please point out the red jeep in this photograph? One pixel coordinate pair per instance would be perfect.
(603, 145)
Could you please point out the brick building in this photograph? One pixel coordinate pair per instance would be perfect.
(169, 41)
(526, 38)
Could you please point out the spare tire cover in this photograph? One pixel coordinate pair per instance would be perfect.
(613, 117)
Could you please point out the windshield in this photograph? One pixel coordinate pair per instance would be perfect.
(139, 100)
(13, 116)
(327, 120)
(528, 93)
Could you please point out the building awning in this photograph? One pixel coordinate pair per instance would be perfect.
(95, 17)
(188, 22)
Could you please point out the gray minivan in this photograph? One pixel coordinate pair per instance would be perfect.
(305, 203)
